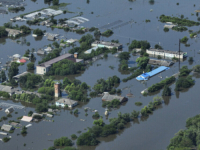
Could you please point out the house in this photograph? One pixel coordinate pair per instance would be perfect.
(20, 75)
(9, 110)
(48, 49)
(166, 53)
(50, 110)
(27, 119)
(90, 50)
(62, 45)
(109, 45)
(45, 67)
(51, 37)
(36, 114)
(108, 97)
(41, 52)
(6, 127)
(65, 101)
(49, 115)
(8, 89)
(71, 41)
(14, 124)
(13, 32)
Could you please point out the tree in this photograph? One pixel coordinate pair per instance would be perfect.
(166, 91)
(3, 32)
(98, 122)
(124, 56)
(38, 32)
(142, 62)
(2, 76)
(13, 70)
(184, 39)
(139, 44)
(30, 66)
(63, 141)
(196, 68)
(55, 2)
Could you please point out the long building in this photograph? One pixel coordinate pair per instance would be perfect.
(166, 53)
(45, 67)
(109, 45)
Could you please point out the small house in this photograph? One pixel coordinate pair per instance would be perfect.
(9, 110)
(41, 52)
(27, 119)
(6, 127)
(66, 102)
(108, 97)
(51, 37)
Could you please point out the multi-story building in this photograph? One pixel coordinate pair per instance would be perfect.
(109, 45)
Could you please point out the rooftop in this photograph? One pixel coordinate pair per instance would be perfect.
(90, 50)
(7, 89)
(55, 60)
(108, 97)
(107, 43)
(19, 75)
(66, 101)
(6, 127)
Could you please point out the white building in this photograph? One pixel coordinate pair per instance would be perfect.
(65, 101)
(9, 110)
(109, 45)
(166, 53)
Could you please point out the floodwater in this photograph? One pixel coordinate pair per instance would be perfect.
(152, 133)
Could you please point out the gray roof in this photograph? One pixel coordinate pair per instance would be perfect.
(36, 114)
(107, 43)
(6, 127)
(66, 101)
(166, 51)
(40, 51)
(10, 109)
(19, 75)
(108, 97)
(160, 62)
(55, 60)
(62, 44)
(7, 89)
(50, 37)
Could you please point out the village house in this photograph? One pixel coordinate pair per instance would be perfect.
(45, 67)
(9, 110)
(108, 97)
(166, 53)
(41, 52)
(90, 50)
(6, 127)
(13, 32)
(109, 45)
(65, 101)
(160, 62)
(8, 89)
(27, 119)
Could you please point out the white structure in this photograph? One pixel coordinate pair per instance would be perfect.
(71, 41)
(65, 101)
(27, 119)
(6, 127)
(90, 50)
(169, 26)
(166, 53)
(9, 110)
(16, 56)
(109, 45)
(48, 49)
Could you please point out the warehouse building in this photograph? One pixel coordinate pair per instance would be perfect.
(166, 53)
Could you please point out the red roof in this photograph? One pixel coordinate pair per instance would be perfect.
(22, 60)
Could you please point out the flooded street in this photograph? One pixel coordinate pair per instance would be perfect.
(151, 133)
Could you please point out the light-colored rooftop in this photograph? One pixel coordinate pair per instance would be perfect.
(66, 101)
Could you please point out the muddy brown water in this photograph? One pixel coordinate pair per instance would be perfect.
(153, 132)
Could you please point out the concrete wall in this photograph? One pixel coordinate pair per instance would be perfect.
(41, 70)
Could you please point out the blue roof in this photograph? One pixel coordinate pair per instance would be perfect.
(145, 76)
(158, 70)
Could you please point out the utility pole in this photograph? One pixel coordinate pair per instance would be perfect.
(179, 52)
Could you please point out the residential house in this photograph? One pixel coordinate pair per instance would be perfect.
(90, 50)
(13, 32)
(66, 102)
(108, 97)
(8, 89)
(27, 119)
(9, 110)
(6, 127)
(51, 37)
(41, 52)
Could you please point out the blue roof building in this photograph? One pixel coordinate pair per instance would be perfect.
(146, 76)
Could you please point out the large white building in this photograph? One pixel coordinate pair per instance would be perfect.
(45, 67)
(65, 101)
(109, 45)
(166, 53)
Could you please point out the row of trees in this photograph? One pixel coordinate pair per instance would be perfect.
(188, 138)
